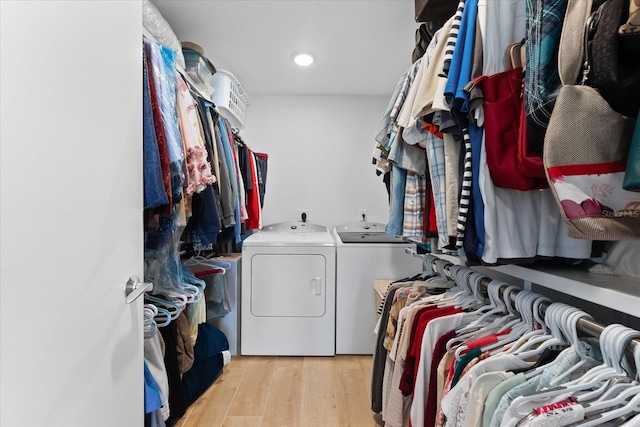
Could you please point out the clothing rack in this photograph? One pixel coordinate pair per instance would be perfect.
(587, 326)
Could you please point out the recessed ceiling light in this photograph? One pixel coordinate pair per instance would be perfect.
(303, 59)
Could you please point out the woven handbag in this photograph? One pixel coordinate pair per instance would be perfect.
(585, 153)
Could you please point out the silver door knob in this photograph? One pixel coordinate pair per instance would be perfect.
(134, 288)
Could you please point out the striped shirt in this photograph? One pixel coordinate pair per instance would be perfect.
(465, 194)
(453, 37)
(404, 90)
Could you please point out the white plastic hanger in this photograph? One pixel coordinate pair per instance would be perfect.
(563, 316)
(503, 305)
(571, 331)
(208, 262)
(611, 352)
(484, 325)
(517, 326)
(603, 395)
(455, 295)
(163, 318)
(150, 311)
(539, 330)
(148, 321)
(428, 265)
(508, 296)
(550, 395)
(522, 330)
(459, 291)
(553, 315)
(463, 277)
(172, 305)
(442, 279)
(496, 306)
(632, 406)
(616, 338)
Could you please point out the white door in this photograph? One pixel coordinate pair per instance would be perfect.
(71, 213)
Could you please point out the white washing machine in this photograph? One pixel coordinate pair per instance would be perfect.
(364, 253)
(288, 291)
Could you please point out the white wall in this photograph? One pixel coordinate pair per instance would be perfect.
(319, 151)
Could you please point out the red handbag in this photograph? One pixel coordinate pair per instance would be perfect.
(503, 124)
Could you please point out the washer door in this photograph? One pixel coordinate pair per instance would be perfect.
(288, 285)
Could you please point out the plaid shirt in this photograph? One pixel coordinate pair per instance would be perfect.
(542, 82)
(435, 158)
(414, 203)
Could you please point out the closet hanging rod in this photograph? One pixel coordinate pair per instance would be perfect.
(587, 326)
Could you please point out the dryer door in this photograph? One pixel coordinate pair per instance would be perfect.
(288, 285)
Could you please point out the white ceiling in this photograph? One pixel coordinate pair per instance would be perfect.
(361, 46)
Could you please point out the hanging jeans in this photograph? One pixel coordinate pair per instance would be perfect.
(396, 215)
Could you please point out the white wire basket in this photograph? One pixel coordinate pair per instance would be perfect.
(230, 97)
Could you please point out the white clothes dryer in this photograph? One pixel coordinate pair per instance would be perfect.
(288, 291)
(364, 253)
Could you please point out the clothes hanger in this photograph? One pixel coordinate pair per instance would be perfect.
(192, 292)
(151, 310)
(459, 288)
(514, 328)
(441, 278)
(561, 319)
(467, 299)
(207, 262)
(428, 261)
(163, 318)
(473, 282)
(555, 394)
(619, 392)
(631, 406)
(572, 332)
(539, 329)
(149, 325)
(598, 398)
(609, 340)
(555, 337)
(501, 306)
(173, 306)
(495, 306)
(524, 306)
(553, 315)
(488, 326)
(508, 296)
(224, 265)
(450, 296)
(193, 86)
(560, 316)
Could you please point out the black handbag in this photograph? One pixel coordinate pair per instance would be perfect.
(614, 58)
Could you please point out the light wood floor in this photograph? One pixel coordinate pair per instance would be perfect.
(287, 391)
